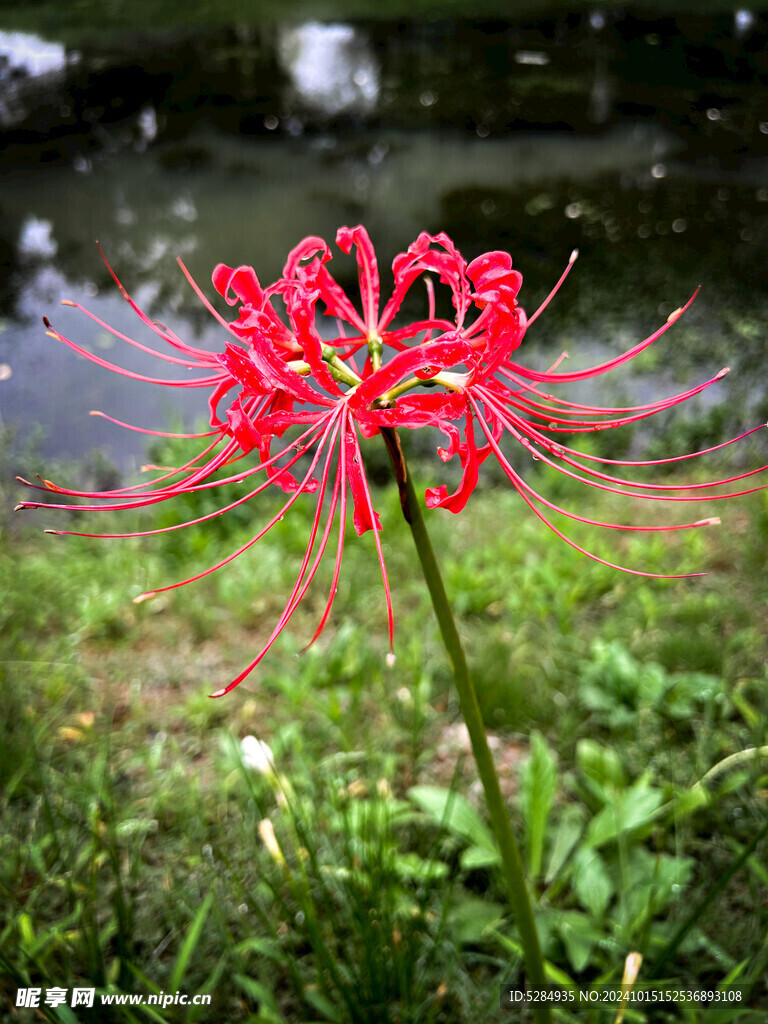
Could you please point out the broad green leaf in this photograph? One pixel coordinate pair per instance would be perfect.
(453, 812)
(579, 938)
(690, 800)
(411, 866)
(591, 881)
(539, 778)
(626, 811)
(566, 835)
(471, 917)
(733, 782)
(478, 857)
(601, 766)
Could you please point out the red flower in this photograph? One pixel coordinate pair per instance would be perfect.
(288, 371)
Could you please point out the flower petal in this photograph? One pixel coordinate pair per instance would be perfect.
(242, 428)
(472, 458)
(368, 270)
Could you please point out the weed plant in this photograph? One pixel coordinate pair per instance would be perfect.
(357, 881)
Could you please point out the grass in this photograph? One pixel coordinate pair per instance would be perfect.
(132, 850)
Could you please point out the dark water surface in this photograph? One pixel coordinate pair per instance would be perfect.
(640, 139)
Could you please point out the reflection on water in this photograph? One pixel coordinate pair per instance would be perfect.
(28, 64)
(22, 54)
(147, 125)
(743, 22)
(537, 138)
(36, 239)
(331, 67)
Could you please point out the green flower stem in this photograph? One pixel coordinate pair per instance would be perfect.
(751, 755)
(512, 863)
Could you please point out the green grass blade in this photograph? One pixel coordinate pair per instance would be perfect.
(269, 1011)
(190, 942)
(65, 1015)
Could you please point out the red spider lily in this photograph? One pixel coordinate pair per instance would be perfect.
(289, 372)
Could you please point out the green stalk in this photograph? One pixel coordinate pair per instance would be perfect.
(512, 863)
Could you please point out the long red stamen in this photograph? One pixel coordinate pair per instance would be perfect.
(159, 329)
(554, 420)
(525, 434)
(195, 357)
(574, 256)
(559, 448)
(379, 552)
(211, 309)
(302, 583)
(341, 475)
(182, 487)
(523, 490)
(520, 482)
(594, 371)
(198, 382)
(152, 433)
(191, 522)
(333, 416)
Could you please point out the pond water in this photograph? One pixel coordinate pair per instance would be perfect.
(640, 139)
